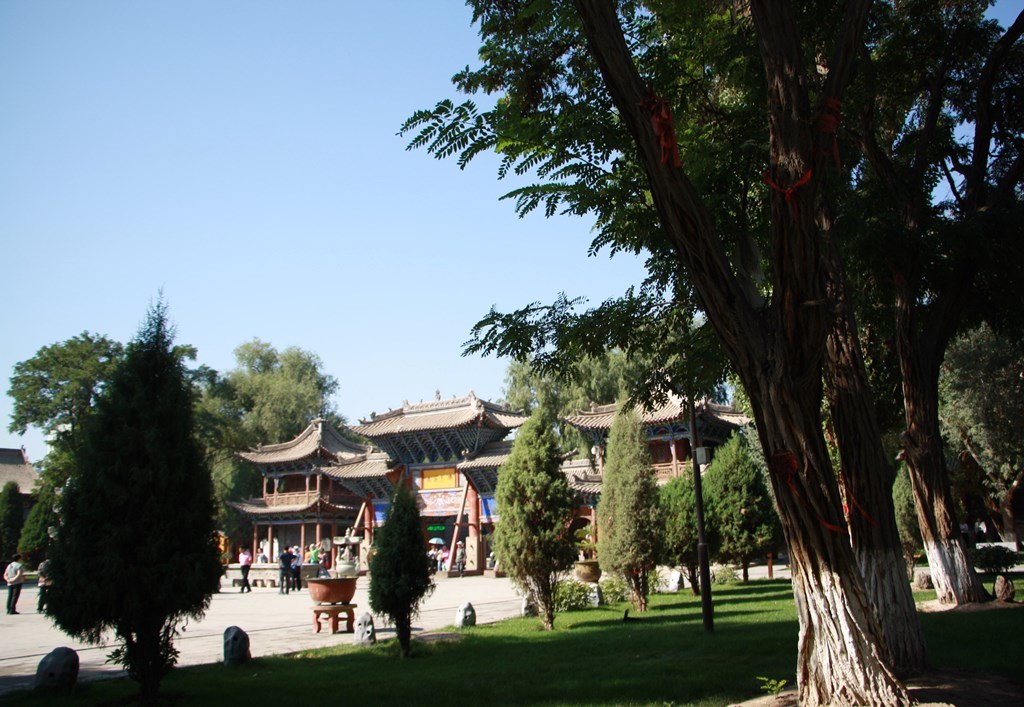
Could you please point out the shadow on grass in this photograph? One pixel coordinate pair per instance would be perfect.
(592, 657)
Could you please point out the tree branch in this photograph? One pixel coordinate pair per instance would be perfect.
(975, 192)
(683, 213)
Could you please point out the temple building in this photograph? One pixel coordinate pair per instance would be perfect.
(451, 450)
(667, 429)
(317, 485)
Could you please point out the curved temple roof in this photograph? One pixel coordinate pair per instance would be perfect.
(318, 440)
(601, 417)
(454, 413)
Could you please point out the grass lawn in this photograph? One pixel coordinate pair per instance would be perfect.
(591, 658)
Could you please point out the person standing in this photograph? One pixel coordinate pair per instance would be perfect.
(284, 571)
(460, 557)
(297, 568)
(245, 562)
(44, 584)
(14, 575)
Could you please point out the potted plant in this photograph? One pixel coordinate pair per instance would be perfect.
(586, 567)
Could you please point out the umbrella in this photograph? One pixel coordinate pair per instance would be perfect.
(436, 541)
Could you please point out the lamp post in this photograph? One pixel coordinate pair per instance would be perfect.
(707, 610)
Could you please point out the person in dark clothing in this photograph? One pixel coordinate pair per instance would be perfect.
(285, 571)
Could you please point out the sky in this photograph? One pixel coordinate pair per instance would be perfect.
(243, 158)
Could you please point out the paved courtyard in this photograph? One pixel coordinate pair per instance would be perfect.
(275, 623)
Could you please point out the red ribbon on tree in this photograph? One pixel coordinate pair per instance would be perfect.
(664, 126)
(789, 192)
(784, 464)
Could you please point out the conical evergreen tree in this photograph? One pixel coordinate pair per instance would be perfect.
(400, 569)
(629, 522)
(532, 541)
(12, 517)
(740, 506)
(135, 551)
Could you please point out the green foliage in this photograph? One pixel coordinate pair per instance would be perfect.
(981, 396)
(725, 574)
(570, 595)
(614, 589)
(56, 389)
(11, 519)
(906, 518)
(678, 503)
(34, 541)
(400, 569)
(994, 559)
(601, 379)
(631, 527)
(772, 686)
(533, 542)
(739, 505)
(269, 397)
(135, 552)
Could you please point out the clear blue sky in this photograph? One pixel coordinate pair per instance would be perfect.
(243, 156)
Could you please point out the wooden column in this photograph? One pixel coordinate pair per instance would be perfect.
(270, 543)
(474, 548)
(255, 541)
(302, 538)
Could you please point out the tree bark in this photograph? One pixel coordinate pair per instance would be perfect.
(952, 574)
(867, 481)
(777, 350)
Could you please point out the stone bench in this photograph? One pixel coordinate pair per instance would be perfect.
(330, 612)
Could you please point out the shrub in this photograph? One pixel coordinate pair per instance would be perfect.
(614, 590)
(725, 574)
(570, 595)
(994, 559)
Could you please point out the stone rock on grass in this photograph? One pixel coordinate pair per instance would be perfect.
(366, 634)
(465, 616)
(236, 646)
(58, 670)
(1004, 588)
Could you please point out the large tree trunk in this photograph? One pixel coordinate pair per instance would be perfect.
(952, 574)
(777, 350)
(867, 480)
(842, 655)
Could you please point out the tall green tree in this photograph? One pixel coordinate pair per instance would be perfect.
(135, 551)
(940, 132)
(631, 67)
(269, 397)
(400, 569)
(34, 541)
(678, 503)
(740, 506)
(982, 412)
(56, 389)
(12, 517)
(906, 519)
(533, 542)
(629, 522)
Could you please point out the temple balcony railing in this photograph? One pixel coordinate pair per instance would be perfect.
(664, 473)
(300, 498)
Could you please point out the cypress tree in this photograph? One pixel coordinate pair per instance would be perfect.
(135, 552)
(12, 516)
(400, 569)
(629, 521)
(739, 505)
(532, 540)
